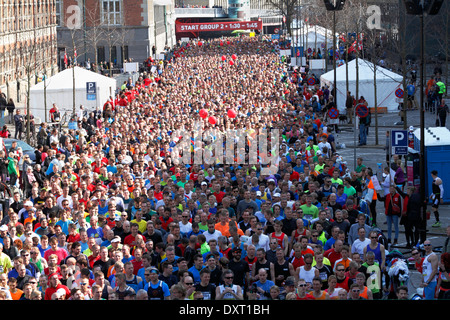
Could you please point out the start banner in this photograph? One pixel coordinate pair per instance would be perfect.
(219, 26)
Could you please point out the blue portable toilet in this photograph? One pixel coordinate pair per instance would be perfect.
(437, 156)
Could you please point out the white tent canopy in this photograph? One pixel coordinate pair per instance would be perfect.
(317, 40)
(59, 90)
(314, 38)
(387, 83)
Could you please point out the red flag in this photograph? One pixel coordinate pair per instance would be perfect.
(352, 47)
(65, 58)
(360, 42)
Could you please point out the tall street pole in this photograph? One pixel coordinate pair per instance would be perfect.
(422, 117)
(421, 7)
(334, 55)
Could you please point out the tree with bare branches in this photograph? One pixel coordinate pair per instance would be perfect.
(95, 30)
(288, 9)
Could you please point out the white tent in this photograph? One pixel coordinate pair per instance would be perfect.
(387, 84)
(314, 38)
(59, 90)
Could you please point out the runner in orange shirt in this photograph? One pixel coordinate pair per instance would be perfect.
(317, 291)
(224, 224)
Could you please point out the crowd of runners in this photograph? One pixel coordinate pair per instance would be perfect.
(111, 211)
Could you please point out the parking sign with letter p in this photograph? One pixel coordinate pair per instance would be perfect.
(91, 91)
(399, 142)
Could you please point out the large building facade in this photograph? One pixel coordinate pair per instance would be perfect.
(113, 30)
(27, 45)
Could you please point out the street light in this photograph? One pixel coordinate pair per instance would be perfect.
(421, 8)
(334, 5)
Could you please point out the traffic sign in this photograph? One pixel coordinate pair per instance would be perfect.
(276, 30)
(399, 93)
(91, 91)
(362, 110)
(333, 113)
(399, 142)
(311, 81)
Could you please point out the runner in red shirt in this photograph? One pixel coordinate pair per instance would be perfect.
(55, 115)
(302, 293)
(418, 260)
(54, 286)
(334, 253)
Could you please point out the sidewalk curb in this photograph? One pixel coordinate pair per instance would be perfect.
(364, 147)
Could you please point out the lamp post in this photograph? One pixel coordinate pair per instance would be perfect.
(334, 56)
(84, 30)
(421, 8)
(334, 5)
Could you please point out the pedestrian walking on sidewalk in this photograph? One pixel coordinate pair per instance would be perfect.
(18, 122)
(437, 196)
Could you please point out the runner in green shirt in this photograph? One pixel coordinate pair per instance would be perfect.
(310, 211)
(349, 190)
(335, 179)
(359, 167)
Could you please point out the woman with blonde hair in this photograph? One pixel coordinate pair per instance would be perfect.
(332, 291)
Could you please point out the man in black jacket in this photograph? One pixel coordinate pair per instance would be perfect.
(43, 135)
(411, 215)
(38, 153)
(2, 107)
(3, 165)
(10, 106)
(17, 203)
(5, 195)
(39, 174)
(349, 106)
(19, 122)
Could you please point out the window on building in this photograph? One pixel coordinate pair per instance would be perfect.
(100, 54)
(113, 54)
(58, 12)
(111, 12)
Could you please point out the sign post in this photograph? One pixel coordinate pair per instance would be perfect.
(399, 142)
(390, 157)
(361, 110)
(333, 113)
(354, 137)
(399, 94)
(91, 91)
